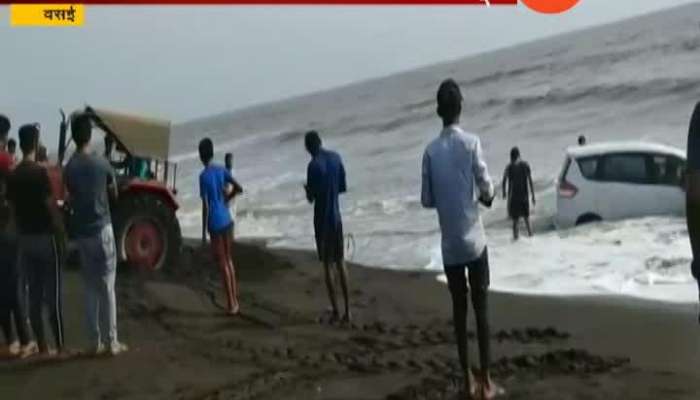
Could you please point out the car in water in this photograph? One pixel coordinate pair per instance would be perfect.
(613, 181)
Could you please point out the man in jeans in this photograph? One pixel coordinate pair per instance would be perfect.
(454, 180)
(41, 240)
(87, 180)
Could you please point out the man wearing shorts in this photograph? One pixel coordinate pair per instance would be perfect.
(325, 181)
(516, 179)
(216, 219)
(454, 180)
(88, 178)
(41, 240)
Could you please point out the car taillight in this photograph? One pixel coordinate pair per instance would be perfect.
(567, 190)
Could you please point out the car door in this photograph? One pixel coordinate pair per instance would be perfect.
(625, 188)
(667, 177)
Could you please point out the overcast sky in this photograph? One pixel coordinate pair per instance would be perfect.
(187, 62)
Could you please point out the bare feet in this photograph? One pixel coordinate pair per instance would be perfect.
(347, 318)
(490, 390)
(235, 310)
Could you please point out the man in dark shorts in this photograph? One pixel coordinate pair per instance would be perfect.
(216, 219)
(516, 179)
(41, 239)
(693, 192)
(325, 181)
(455, 180)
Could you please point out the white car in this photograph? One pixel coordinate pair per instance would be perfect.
(611, 181)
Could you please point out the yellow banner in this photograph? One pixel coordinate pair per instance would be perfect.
(47, 14)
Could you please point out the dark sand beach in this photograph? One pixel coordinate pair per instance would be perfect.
(400, 345)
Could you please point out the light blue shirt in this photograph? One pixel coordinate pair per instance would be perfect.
(454, 176)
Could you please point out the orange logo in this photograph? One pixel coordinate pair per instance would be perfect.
(550, 6)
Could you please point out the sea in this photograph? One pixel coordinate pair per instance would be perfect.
(637, 79)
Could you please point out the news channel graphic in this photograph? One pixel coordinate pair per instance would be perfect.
(74, 14)
(50, 15)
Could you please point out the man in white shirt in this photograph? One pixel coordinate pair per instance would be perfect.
(455, 180)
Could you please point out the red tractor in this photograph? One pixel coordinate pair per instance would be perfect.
(146, 229)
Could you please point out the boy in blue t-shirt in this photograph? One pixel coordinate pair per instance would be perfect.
(216, 218)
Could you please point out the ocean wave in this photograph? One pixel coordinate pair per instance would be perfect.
(619, 92)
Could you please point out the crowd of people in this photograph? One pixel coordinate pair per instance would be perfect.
(35, 237)
(455, 182)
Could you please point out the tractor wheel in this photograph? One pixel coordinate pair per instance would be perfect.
(147, 232)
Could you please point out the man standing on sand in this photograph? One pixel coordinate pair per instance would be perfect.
(693, 192)
(41, 241)
(455, 179)
(517, 178)
(88, 177)
(325, 181)
(216, 219)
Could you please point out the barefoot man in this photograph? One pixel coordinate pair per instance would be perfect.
(324, 182)
(216, 219)
(693, 192)
(454, 180)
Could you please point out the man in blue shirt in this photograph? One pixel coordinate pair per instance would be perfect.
(216, 218)
(325, 180)
(455, 180)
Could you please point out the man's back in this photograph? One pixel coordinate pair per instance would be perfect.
(87, 177)
(326, 180)
(518, 173)
(454, 177)
(212, 187)
(28, 191)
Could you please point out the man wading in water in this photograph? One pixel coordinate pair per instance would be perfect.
(517, 182)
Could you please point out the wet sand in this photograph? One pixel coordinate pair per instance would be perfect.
(400, 345)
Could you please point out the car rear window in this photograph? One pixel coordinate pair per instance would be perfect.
(588, 167)
(627, 168)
